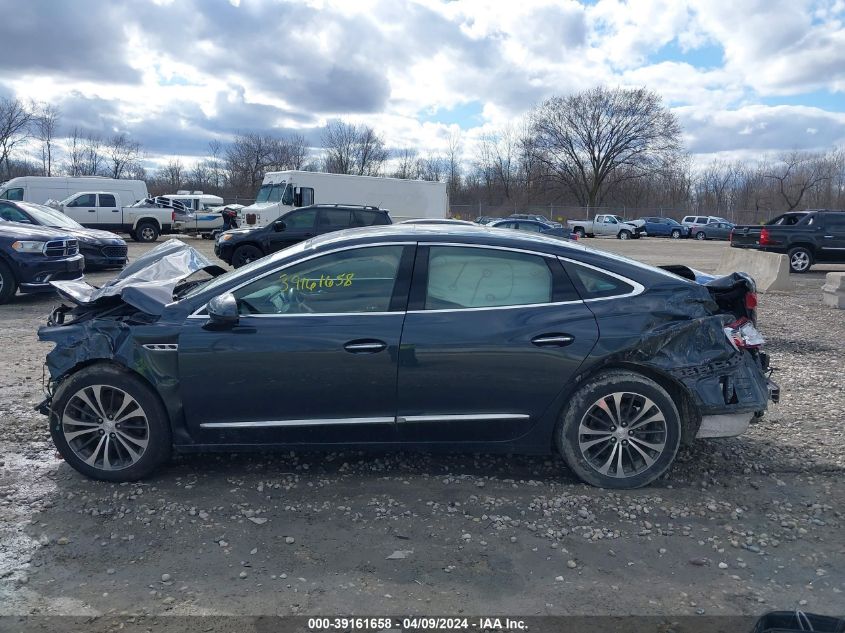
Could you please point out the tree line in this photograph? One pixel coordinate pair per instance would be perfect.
(601, 148)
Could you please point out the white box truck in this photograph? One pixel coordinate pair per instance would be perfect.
(40, 189)
(282, 191)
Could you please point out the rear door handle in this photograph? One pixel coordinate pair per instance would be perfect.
(552, 340)
(365, 346)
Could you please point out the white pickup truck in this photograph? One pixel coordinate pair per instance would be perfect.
(612, 225)
(144, 221)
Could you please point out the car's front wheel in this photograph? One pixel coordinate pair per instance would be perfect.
(109, 424)
(676, 234)
(624, 235)
(8, 285)
(245, 254)
(619, 430)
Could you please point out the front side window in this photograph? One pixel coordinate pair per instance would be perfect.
(107, 200)
(461, 277)
(13, 194)
(355, 281)
(301, 220)
(85, 200)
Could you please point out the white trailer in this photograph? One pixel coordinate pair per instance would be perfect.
(40, 189)
(282, 191)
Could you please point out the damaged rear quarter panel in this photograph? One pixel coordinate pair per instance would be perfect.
(675, 332)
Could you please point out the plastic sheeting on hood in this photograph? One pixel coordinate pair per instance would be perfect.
(148, 282)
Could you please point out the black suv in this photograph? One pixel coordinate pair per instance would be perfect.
(32, 256)
(241, 246)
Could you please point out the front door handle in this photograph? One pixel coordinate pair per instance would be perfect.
(365, 346)
(552, 340)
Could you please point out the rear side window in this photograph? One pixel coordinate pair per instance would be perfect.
(333, 219)
(480, 278)
(689, 218)
(596, 284)
(834, 221)
(107, 200)
(368, 218)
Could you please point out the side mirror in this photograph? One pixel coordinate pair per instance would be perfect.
(279, 226)
(223, 311)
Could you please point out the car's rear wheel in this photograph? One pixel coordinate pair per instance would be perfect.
(800, 259)
(676, 234)
(580, 233)
(701, 235)
(8, 285)
(108, 424)
(624, 235)
(619, 430)
(147, 232)
(245, 254)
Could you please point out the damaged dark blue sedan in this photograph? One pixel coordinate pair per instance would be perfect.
(420, 337)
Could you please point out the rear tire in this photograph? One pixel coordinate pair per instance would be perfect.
(245, 254)
(8, 284)
(147, 232)
(108, 424)
(619, 430)
(580, 233)
(701, 236)
(800, 260)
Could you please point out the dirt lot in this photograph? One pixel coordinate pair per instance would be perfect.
(738, 526)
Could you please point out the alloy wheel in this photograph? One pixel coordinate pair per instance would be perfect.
(622, 434)
(147, 234)
(105, 427)
(800, 261)
(700, 235)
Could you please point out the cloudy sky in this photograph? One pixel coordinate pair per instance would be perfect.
(744, 76)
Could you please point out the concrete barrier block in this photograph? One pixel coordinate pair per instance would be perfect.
(770, 271)
(833, 291)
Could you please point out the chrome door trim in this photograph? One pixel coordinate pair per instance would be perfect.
(161, 347)
(195, 314)
(265, 424)
(365, 347)
(563, 339)
(473, 417)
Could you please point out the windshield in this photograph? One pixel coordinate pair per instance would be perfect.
(51, 217)
(271, 192)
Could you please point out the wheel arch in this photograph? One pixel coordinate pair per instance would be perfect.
(681, 396)
(145, 219)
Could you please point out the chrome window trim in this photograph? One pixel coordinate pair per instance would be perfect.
(269, 424)
(195, 314)
(638, 288)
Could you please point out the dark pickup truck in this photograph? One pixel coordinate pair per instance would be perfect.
(808, 237)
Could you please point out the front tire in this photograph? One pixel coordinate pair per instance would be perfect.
(676, 234)
(8, 284)
(620, 430)
(245, 254)
(108, 424)
(624, 235)
(800, 259)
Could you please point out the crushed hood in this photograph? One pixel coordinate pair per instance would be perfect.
(147, 283)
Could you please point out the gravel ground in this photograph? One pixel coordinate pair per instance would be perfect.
(738, 526)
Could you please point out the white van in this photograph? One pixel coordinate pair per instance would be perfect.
(282, 191)
(40, 189)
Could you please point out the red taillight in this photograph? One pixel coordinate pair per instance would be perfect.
(743, 335)
(750, 300)
(764, 237)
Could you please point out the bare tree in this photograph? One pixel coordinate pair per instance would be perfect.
(46, 125)
(407, 165)
(353, 149)
(454, 155)
(121, 152)
(75, 154)
(593, 140)
(214, 165)
(92, 158)
(797, 173)
(16, 118)
(172, 174)
(433, 167)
